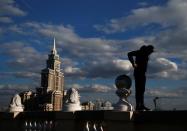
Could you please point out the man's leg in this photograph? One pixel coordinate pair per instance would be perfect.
(142, 93)
(142, 89)
(140, 81)
(139, 89)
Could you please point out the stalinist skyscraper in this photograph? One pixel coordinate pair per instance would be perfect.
(52, 82)
(49, 96)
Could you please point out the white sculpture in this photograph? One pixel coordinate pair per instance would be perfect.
(15, 105)
(123, 84)
(72, 100)
(123, 104)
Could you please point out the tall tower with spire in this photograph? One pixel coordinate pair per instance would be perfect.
(52, 81)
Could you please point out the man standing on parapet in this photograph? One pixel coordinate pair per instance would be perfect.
(139, 64)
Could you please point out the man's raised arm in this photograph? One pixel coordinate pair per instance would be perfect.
(131, 59)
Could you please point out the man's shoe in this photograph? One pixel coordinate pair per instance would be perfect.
(139, 109)
(146, 109)
(142, 108)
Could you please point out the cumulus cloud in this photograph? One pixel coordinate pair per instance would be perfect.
(170, 42)
(15, 86)
(99, 57)
(171, 17)
(169, 98)
(23, 61)
(166, 92)
(7, 91)
(8, 7)
(23, 74)
(88, 55)
(173, 43)
(104, 58)
(162, 68)
(16, 29)
(72, 44)
(5, 20)
(92, 88)
(22, 55)
(73, 71)
(108, 68)
(172, 14)
(91, 57)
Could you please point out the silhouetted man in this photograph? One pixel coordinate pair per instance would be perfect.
(140, 66)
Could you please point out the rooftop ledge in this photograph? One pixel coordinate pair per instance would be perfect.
(151, 116)
(94, 120)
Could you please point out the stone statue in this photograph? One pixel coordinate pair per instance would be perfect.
(72, 96)
(123, 84)
(72, 100)
(16, 105)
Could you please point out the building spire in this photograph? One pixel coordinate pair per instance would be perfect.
(54, 47)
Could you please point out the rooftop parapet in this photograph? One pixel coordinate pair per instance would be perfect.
(106, 120)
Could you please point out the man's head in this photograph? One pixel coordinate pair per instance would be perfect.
(143, 48)
(149, 49)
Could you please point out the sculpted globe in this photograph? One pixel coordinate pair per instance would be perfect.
(123, 81)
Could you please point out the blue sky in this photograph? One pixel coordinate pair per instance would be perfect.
(93, 38)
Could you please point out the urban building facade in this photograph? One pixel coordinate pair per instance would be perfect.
(48, 97)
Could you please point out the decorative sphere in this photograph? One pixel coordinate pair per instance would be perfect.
(123, 81)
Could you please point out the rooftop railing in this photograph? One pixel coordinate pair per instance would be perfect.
(94, 121)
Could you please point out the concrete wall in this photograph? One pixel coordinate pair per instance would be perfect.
(107, 120)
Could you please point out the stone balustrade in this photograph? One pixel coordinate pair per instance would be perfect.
(94, 121)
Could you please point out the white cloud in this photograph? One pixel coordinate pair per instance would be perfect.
(92, 57)
(16, 29)
(107, 68)
(92, 88)
(5, 20)
(169, 98)
(9, 90)
(73, 72)
(173, 43)
(24, 61)
(163, 68)
(172, 14)
(101, 88)
(99, 69)
(67, 38)
(8, 7)
(122, 64)
(166, 92)
(97, 57)
(163, 64)
(22, 55)
(22, 74)
(16, 87)
(170, 42)
(84, 51)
